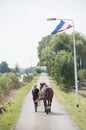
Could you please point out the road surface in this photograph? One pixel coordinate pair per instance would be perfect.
(57, 120)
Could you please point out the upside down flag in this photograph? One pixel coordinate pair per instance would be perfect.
(62, 26)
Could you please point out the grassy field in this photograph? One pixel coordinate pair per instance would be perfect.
(68, 100)
(9, 118)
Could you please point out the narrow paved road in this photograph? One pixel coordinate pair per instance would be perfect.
(57, 120)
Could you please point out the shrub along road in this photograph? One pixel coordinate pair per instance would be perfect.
(57, 120)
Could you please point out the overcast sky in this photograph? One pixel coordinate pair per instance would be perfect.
(23, 24)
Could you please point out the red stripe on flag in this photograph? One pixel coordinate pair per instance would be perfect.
(69, 26)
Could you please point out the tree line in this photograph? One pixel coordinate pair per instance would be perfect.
(56, 52)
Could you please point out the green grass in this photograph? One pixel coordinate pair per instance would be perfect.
(68, 100)
(9, 118)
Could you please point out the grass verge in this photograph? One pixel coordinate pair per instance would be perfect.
(9, 118)
(78, 114)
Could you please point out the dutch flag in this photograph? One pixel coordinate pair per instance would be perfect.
(62, 26)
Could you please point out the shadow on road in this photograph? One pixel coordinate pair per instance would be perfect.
(52, 113)
(56, 114)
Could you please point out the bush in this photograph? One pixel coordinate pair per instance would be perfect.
(82, 75)
(64, 69)
(8, 81)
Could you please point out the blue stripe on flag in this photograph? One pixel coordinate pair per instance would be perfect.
(59, 26)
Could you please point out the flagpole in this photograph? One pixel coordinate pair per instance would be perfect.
(75, 65)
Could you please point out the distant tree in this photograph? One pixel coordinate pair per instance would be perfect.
(4, 67)
(16, 69)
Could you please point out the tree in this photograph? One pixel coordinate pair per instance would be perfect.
(4, 67)
(64, 68)
(16, 69)
(42, 44)
(81, 49)
(51, 56)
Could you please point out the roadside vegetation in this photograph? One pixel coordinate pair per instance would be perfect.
(78, 114)
(8, 81)
(9, 118)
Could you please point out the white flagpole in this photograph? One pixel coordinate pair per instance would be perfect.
(75, 66)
